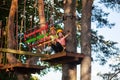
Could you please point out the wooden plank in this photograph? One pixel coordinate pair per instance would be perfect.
(63, 54)
(62, 58)
(75, 55)
(26, 68)
(57, 55)
(22, 52)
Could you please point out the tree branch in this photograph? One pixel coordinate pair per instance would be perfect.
(114, 75)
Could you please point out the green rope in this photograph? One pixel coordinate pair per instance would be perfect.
(36, 38)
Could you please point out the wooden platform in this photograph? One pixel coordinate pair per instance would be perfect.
(22, 68)
(63, 58)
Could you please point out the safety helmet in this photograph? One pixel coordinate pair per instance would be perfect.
(52, 28)
(59, 30)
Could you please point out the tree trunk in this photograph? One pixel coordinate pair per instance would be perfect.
(69, 70)
(11, 40)
(86, 39)
(10, 31)
(41, 13)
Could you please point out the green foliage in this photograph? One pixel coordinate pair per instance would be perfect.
(100, 18)
(104, 48)
(50, 67)
(34, 78)
(112, 4)
(4, 8)
(109, 76)
(104, 51)
(7, 75)
(79, 5)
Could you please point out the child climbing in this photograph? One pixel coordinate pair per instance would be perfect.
(53, 45)
(52, 36)
(60, 41)
(57, 38)
(61, 37)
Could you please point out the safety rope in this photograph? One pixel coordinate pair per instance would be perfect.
(23, 24)
(36, 1)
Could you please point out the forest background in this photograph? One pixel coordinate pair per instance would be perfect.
(104, 47)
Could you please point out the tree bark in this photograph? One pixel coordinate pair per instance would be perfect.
(69, 70)
(86, 39)
(11, 40)
(10, 31)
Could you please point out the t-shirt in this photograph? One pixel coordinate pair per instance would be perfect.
(53, 37)
(61, 41)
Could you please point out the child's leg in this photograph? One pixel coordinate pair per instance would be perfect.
(54, 48)
(59, 47)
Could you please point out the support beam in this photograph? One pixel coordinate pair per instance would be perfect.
(12, 51)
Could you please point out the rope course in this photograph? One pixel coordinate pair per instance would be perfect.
(35, 37)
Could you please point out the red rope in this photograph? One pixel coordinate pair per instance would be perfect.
(35, 32)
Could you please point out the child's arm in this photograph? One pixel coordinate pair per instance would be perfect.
(67, 35)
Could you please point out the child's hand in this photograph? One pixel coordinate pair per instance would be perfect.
(69, 33)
